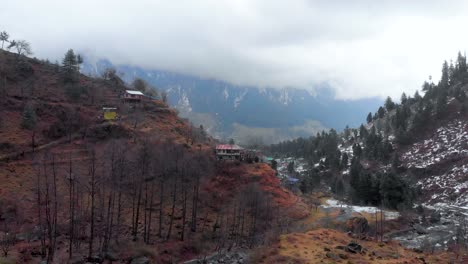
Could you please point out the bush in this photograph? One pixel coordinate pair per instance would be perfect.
(74, 91)
(24, 69)
(29, 117)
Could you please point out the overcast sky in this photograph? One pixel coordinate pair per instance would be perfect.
(362, 48)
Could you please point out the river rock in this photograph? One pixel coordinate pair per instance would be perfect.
(435, 217)
(420, 229)
(140, 260)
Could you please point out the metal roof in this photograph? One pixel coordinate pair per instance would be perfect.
(134, 92)
(228, 146)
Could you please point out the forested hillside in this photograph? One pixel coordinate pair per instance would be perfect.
(381, 161)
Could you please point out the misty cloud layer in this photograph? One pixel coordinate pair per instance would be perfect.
(362, 49)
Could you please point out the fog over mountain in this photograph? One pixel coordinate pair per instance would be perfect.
(360, 49)
(247, 113)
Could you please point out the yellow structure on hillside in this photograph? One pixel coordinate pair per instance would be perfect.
(110, 113)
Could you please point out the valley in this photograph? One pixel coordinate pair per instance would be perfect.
(101, 169)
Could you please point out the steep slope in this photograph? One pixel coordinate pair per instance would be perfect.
(137, 187)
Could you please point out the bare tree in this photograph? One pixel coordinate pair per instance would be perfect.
(4, 36)
(7, 241)
(143, 165)
(22, 47)
(92, 194)
(122, 168)
(71, 193)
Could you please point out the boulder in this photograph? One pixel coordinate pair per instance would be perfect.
(357, 225)
(332, 256)
(435, 217)
(140, 260)
(354, 248)
(420, 229)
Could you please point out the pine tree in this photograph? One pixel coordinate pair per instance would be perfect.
(393, 190)
(452, 73)
(70, 67)
(381, 112)
(389, 104)
(362, 132)
(417, 96)
(354, 172)
(445, 79)
(404, 99)
(347, 132)
(461, 67)
(369, 117)
(441, 104)
(344, 160)
(357, 150)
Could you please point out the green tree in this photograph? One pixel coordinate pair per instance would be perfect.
(404, 99)
(441, 104)
(381, 112)
(393, 190)
(445, 79)
(369, 117)
(344, 160)
(417, 96)
(347, 132)
(357, 150)
(231, 141)
(389, 104)
(70, 67)
(363, 132)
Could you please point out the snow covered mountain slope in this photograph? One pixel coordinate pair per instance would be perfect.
(442, 159)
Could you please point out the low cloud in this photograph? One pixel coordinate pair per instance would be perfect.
(255, 135)
(361, 48)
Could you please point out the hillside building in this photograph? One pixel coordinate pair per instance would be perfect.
(133, 96)
(110, 113)
(228, 152)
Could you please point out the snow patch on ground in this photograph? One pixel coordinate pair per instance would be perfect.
(332, 203)
(448, 142)
(449, 188)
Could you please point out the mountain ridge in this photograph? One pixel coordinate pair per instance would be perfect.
(219, 105)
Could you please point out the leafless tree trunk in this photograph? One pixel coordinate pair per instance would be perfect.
(143, 164)
(39, 215)
(122, 170)
(92, 172)
(174, 199)
(196, 188)
(161, 203)
(71, 207)
(184, 200)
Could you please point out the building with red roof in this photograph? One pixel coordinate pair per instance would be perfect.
(228, 152)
